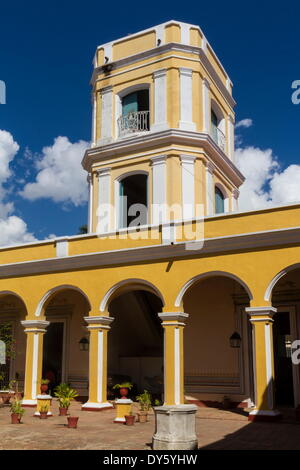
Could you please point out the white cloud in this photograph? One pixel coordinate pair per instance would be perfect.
(60, 175)
(266, 183)
(244, 123)
(13, 229)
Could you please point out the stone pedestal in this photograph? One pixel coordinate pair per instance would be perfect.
(43, 400)
(175, 428)
(124, 407)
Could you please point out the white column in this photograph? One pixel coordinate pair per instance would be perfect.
(90, 217)
(160, 100)
(159, 190)
(104, 209)
(186, 100)
(94, 118)
(185, 33)
(107, 113)
(206, 111)
(188, 186)
(230, 137)
(235, 197)
(210, 192)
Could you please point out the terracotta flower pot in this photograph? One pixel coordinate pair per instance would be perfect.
(129, 420)
(72, 421)
(142, 416)
(15, 418)
(43, 414)
(44, 389)
(63, 411)
(124, 392)
(5, 398)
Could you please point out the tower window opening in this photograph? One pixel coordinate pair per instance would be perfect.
(216, 133)
(133, 201)
(219, 201)
(135, 113)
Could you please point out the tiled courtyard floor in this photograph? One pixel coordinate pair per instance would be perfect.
(217, 429)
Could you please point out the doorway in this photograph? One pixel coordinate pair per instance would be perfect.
(282, 337)
(53, 352)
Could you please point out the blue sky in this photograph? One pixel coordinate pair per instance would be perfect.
(46, 61)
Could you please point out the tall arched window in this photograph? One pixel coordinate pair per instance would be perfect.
(219, 201)
(133, 206)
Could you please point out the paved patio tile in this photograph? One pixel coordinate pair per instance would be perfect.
(217, 429)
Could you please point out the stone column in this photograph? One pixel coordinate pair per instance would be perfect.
(263, 359)
(98, 328)
(91, 195)
(206, 110)
(175, 423)
(34, 330)
(188, 186)
(230, 137)
(107, 114)
(159, 190)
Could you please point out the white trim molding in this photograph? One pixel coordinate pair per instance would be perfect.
(133, 284)
(54, 291)
(104, 208)
(159, 190)
(210, 189)
(188, 186)
(207, 275)
(160, 100)
(186, 99)
(106, 114)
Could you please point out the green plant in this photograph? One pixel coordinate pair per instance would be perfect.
(65, 395)
(45, 381)
(128, 385)
(157, 402)
(44, 409)
(144, 400)
(16, 408)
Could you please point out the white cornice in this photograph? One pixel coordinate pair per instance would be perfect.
(168, 136)
(173, 47)
(229, 243)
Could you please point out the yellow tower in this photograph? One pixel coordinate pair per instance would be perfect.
(163, 130)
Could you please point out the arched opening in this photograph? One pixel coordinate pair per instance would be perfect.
(63, 358)
(214, 369)
(219, 201)
(13, 348)
(285, 297)
(217, 129)
(134, 115)
(135, 348)
(133, 200)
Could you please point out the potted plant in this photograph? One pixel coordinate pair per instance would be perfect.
(123, 388)
(65, 395)
(129, 419)
(72, 421)
(144, 400)
(44, 411)
(16, 412)
(44, 386)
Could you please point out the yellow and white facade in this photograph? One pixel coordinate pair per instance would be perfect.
(159, 305)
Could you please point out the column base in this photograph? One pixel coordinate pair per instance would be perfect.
(29, 403)
(90, 406)
(175, 428)
(264, 415)
(124, 407)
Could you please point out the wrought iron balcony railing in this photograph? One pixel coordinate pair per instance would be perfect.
(134, 122)
(219, 137)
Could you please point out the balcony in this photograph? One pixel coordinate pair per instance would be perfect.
(133, 122)
(218, 137)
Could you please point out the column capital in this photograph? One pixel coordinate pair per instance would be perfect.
(103, 172)
(173, 318)
(98, 322)
(206, 82)
(159, 73)
(187, 159)
(235, 193)
(107, 89)
(158, 160)
(261, 314)
(185, 71)
(210, 167)
(35, 326)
